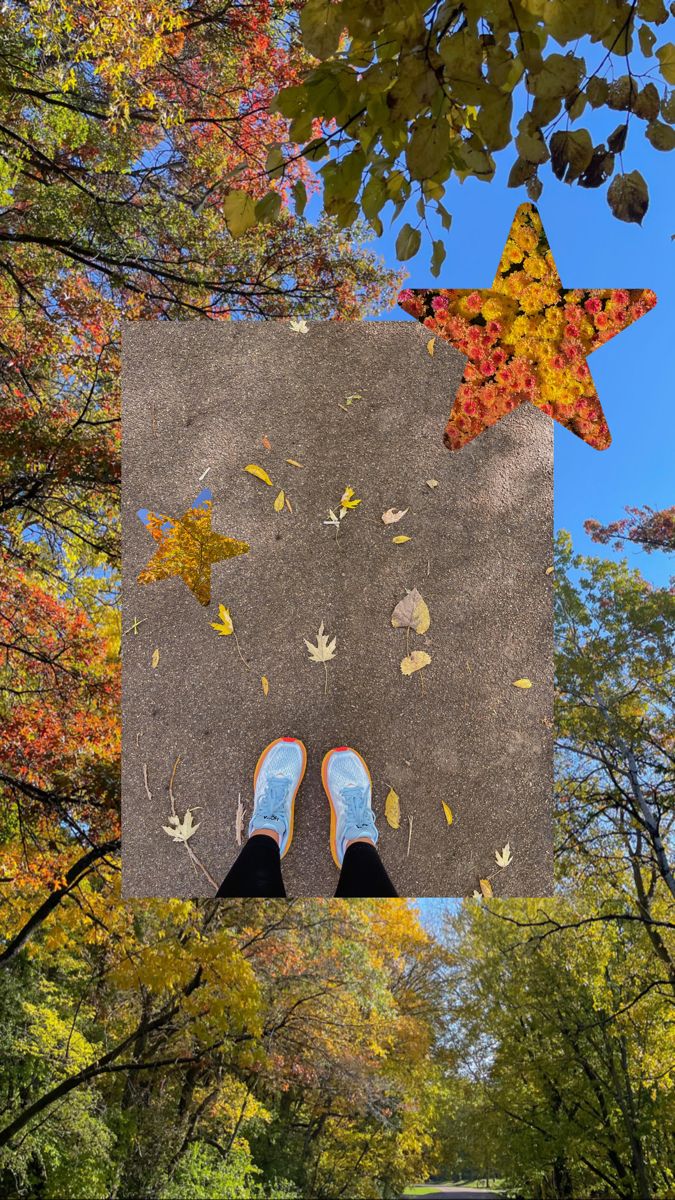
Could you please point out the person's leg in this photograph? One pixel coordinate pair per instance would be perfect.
(256, 871)
(277, 777)
(353, 832)
(363, 873)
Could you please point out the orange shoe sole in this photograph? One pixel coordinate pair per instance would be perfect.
(333, 814)
(302, 775)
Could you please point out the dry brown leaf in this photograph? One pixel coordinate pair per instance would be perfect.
(259, 473)
(265, 684)
(155, 658)
(392, 809)
(486, 888)
(392, 515)
(279, 501)
(412, 613)
(266, 442)
(522, 683)
(415, 662)
(448, 812)
(239, 821)
(289, 506)
(398, 541)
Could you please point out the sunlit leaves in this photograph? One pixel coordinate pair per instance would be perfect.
(187, 548)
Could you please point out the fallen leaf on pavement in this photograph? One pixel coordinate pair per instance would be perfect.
(155, 658)
(398, 541)
(265, 684)
(299, 325)
(254, 469)
(415, 662)
(279, 502)
(432, 483)
(448, 812)
(522, 683)
(392, 809)
(392, 515)
(504, 857)
(225, 626)
(292, 463)
(486, 888)
(431, 346)
(411, 612)
(323, 651)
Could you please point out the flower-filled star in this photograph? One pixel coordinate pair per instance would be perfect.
(527, 337)
(188, 547)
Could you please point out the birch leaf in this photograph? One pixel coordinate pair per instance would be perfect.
(225, 625)
(504, 857)
(392, 515)
(265, 684)
(415, 662)
(279, 502)
(155, 658)
(448, 812)
(411, 613)
(392, 809)
(486, 888)
(522, 683)
(254, 469)
(398, 541)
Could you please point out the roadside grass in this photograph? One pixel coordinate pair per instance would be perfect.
(428, 1189)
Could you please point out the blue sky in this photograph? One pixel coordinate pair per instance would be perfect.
(632, 373)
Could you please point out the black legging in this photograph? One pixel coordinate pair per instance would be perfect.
(257, 871)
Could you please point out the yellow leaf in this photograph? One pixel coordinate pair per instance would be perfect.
(411, 613)
(398, 541)
(279, 502)
(448, 812)
(431, 345)
(415, 662)
(432, 483)
(486, 888)
(292, 463)
(259, 473)
(522, 683)
(155, 658)
(549, 571)
(265, 684)
(392, 809)
(225, 625)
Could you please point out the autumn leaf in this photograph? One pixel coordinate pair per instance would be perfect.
(265, 441)
(392, 515)
(415, 662)
(448, 812)
(549, 570)
(431, 346)
(279, 502)
(181, 831)
(432, 483)
(398, 541)
(348, 499)
(504, 857)
(323, 651)
(239, 820)
(293, 463)
(522, 683)
(392, 809)
(225, 626)
(486, 888)
(411, 613)
(265, 684)
(155, 658)
(259, 472)
(289, 506)
(299, 325)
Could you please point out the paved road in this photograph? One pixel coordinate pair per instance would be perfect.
(444, 1192)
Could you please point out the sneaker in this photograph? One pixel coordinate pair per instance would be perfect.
(278, 775)
(347, 783)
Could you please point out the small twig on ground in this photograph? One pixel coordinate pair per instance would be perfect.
(410, 820)
(133, 628)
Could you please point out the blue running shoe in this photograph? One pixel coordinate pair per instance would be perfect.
(278, 775)
(347, 783)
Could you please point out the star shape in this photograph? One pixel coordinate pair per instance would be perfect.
(187, 547)
(527, 337)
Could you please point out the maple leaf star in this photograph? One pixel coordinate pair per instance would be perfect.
(187, 547)
(527, 337)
